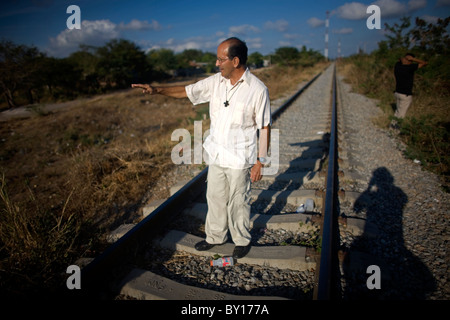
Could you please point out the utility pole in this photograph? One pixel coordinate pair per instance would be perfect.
(339, 49)
(327, 24)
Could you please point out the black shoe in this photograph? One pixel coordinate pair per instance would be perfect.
(203, 246)
(240, 251)
(394, 125)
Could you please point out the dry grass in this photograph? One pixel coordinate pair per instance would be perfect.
(280, 80)
(102, 152)
(70, 176)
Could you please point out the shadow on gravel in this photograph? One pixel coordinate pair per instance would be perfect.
(402, 274)
(314, 150)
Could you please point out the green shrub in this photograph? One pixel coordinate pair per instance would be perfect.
(427, 140)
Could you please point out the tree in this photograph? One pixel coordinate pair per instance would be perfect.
(162, 60)
(184, 58)
(290, 56)
(286, 56)
(210, 59)
(121, 63)
(62, 77)
(19, 70)
(430, 37)
(256, 59)
(400, 35)
(309, 57)
(85, 61)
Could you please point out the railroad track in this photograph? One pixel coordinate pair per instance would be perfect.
(156, 259)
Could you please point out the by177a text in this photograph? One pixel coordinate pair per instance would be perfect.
(241, 309)
(246, 309)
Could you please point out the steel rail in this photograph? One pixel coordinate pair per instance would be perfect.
(96, 275)
(328, 256)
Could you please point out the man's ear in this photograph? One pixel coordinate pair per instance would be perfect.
(236, 62)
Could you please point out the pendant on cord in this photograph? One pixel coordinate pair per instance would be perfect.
(226, 103)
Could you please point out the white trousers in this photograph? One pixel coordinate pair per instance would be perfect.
(228, 197)
(403, 103)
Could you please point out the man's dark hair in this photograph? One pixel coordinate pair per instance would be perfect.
(237, 48)
(410, 54)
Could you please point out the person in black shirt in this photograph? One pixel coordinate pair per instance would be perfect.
(404, 76)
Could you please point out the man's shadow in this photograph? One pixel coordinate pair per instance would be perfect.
(403, 275)
(312, 151)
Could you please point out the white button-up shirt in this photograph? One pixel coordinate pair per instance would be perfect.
(232, 141)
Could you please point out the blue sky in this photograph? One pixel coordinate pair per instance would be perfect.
(178, 25)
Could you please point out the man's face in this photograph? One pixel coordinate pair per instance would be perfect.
(406, 59)
(226, 66)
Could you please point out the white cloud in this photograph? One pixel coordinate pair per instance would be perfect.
(279, 25)
(187, 45)
(391, 8)
(243, 29)
(291, 36)
(315, 22)
(388, 8)
(284, 43)
(417, 4)
(91, 33)
(430, 19)
(206, 43)
(140, 25)
(351, 11)
(254, 43)
(154, 47)
(94, 33)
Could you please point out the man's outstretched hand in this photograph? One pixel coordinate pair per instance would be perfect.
(174, 92)
(146, 88)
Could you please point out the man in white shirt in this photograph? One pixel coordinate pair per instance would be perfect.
(239, 106)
